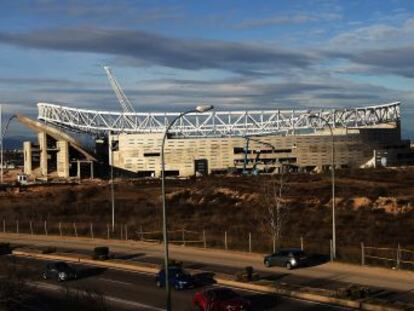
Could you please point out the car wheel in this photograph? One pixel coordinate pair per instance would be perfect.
(267, 263)
(158, 283)
(177, 287)
(289, 266)
(44, 276)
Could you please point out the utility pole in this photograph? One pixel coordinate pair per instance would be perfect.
(332, 178)
(112, 183)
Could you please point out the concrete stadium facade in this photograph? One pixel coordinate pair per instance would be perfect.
(140, 153)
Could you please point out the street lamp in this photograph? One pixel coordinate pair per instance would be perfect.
(112, 184)
(198, 109)
(333, 183)
(3, 130)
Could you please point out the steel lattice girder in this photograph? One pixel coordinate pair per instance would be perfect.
(216, 123)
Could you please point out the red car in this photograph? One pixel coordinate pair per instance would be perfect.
(219, 299)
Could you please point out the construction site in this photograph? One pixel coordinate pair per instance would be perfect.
(211, 142)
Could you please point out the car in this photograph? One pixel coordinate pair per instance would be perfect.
(219, 299)
(289, 258)
(178, 278)
(60, 271)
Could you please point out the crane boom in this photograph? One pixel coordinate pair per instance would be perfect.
(122, 98)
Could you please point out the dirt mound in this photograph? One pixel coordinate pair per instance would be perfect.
(392, 205)
(360, 202)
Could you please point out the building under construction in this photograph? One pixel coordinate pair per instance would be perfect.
(214, 141)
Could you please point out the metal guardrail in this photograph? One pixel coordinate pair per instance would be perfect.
(397, 255)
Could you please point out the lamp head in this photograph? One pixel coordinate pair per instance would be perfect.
(204, 108)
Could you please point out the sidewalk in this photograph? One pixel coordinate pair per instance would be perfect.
(328, 273)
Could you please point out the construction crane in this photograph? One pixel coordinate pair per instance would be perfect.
(122, 98)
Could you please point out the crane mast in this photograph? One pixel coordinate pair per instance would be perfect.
(122, 98)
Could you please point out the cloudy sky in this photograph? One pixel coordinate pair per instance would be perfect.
(172, 55)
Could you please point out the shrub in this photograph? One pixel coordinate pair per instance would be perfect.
(247, 275)
(48, 250)
(100, 253)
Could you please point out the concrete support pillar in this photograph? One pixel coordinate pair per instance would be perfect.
(63, 159)
(42, 136)
(28, 159)
(92, 172)
(79, 169)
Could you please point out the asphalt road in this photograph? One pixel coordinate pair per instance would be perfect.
(328, 275)
(132, 291)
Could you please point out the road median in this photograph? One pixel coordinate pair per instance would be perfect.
(225, 280)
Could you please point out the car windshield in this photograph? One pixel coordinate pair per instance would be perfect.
(298, 253)
(173, 271)
(287, 252)
(224, 294)
(62, 266)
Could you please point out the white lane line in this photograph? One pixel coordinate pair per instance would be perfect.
(114, 300)
(132, 303)
(115, 281)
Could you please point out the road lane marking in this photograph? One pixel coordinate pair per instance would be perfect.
(115, 281)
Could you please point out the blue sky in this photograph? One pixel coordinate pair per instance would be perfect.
(172, 55)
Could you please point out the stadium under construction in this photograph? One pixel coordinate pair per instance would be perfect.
(249, 142)
(215, 141)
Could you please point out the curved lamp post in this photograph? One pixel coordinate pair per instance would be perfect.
(3, 130)
(333, 182)
(198, 109)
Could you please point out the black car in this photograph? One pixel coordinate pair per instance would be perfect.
(59, 271)
(289, 258)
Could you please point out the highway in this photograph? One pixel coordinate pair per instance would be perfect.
(328, 275)
(391, 284)
(136, 291)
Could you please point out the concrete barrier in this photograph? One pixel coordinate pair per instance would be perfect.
(151, 269)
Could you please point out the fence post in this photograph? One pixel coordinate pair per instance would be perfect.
(45, 225)
(31, 227)
(331, 250)
(17, 226)
(75, 230)
(60, 229)
(274, 244)
(141, 233)
(225, 240)
(107, 230)
(4, 225)
(183, 236)
(91, 225)
(122, 231)
(250, 242)
(362, 254)
(126, 232)
(301, 244)
(398, 256)
(204, 239)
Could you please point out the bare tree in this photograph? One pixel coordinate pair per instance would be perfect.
(274, 211)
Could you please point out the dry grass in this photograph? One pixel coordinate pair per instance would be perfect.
(217, 204)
